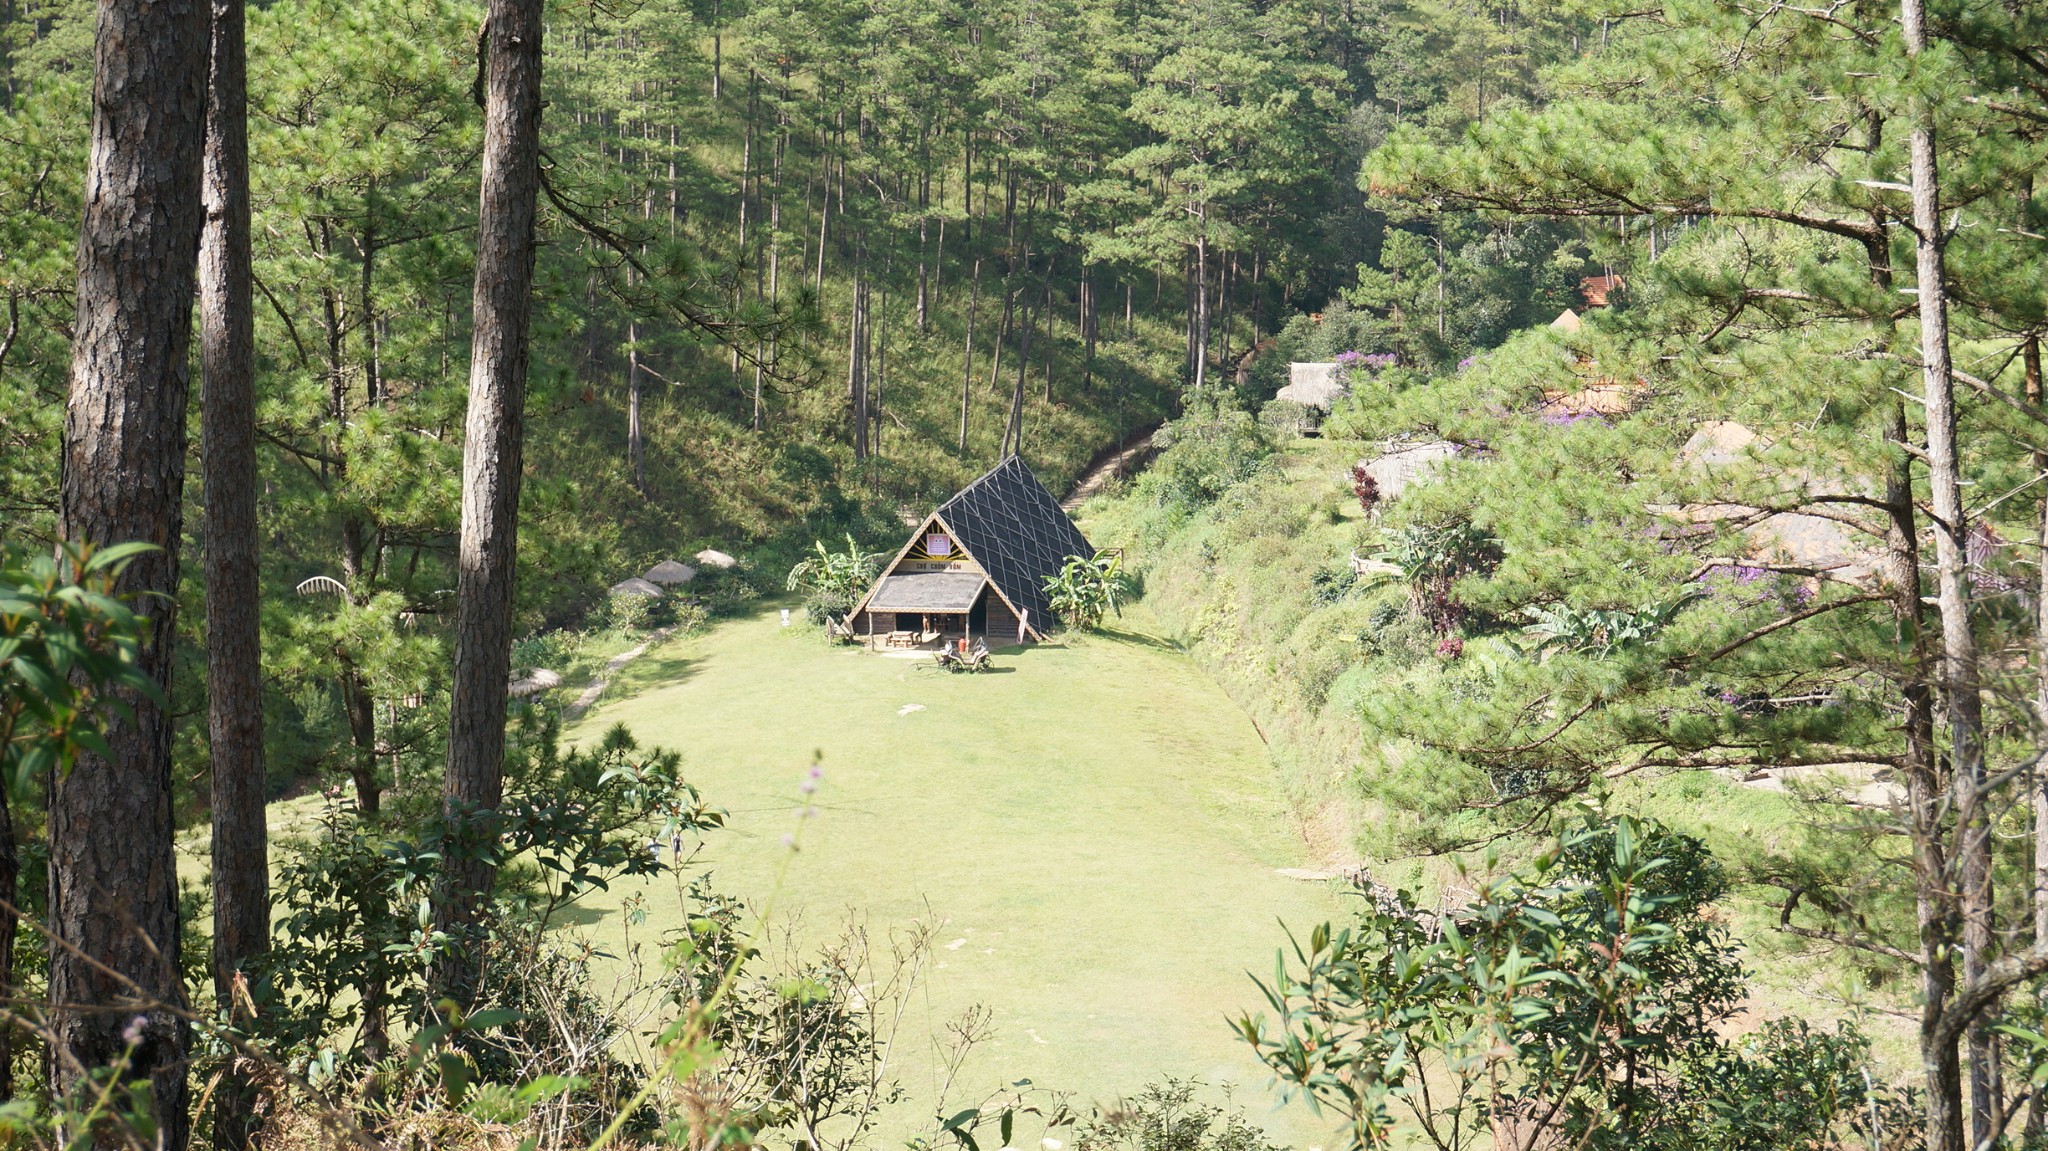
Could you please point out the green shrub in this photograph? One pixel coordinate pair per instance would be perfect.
(1204, 454)
(1288, 418)
(835, 580)
(628, 613)
(1166, 1117)
(1576, 1002)
(1085, 590)
(549, 649)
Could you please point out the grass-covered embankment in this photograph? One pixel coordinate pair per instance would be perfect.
(1256, 584)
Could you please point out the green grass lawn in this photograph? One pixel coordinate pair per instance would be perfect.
(1095, 824)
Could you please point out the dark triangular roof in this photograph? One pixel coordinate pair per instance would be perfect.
(1017, 532)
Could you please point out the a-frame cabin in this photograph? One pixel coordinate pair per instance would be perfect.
(976, 567)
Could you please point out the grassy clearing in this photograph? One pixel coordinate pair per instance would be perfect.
(1096, 824)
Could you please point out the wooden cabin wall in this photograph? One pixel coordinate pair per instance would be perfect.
(1002, 622)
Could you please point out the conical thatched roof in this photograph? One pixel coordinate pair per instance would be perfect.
(534, 682)
(636, 586)
(669, 573)
(712, 558)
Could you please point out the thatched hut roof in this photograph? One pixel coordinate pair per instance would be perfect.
(1604, 398)
(1811, 541)
(1314, 385)
(669, 573)
(534, 682)
(712, 558)
(1404, 464)
(636, 586)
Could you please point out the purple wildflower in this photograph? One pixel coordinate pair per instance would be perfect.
(132, 1034)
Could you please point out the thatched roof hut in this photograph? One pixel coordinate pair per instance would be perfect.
(669, 573)
(1317, 386)
(533, 682)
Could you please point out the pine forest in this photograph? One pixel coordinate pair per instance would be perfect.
(1125, 575)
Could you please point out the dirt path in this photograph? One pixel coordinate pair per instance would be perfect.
(611, 668)
(1114, 462)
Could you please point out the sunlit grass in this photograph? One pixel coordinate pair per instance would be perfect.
(1095, 825)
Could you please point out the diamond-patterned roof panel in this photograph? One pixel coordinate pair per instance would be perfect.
(1017, 531)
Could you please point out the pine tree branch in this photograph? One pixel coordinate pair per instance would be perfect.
(1780, 624)
(733, 334)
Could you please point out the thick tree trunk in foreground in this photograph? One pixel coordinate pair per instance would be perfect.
(234, 655)
(113, 881)
(491, 460)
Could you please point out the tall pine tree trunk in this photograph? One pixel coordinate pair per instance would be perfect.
(2030, 359)
(1088, 312)
(857, 354)
(967, 369)
(491, 460)
(234, 653)
(1028, 322)
(113, 878)
(636, 443)
(923, 270)
(880, 337)
(1048, 333)
(939, 258)
(1201, 350)
(1952, 593)
(995, 367)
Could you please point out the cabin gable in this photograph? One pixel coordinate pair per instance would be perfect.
(978, 564)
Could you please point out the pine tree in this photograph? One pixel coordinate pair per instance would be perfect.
(113, 911)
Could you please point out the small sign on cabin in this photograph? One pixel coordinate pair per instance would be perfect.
(937, 545)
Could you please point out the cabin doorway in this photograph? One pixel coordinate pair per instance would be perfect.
(977, 616)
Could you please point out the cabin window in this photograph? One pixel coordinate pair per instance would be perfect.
(909, 621)
(938, 545)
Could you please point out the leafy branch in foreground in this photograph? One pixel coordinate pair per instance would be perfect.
(68, 646)
(1574, 1004)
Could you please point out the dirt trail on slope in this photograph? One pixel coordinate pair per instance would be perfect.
(1112, 462)
(611, 668)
